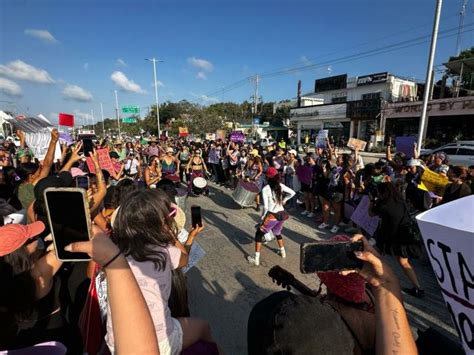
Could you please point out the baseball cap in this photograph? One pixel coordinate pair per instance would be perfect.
(169, 150)
(63, 179)
(114, 155)
(254, 152)
(272, 172)
(285, 323)
(413, 162)
(77, 172)
(13, 236)
(292, 151)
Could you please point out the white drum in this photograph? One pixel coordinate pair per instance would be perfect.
(199, 182)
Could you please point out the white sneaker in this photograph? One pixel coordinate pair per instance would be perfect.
(304, 213)
(309, 215)
(253, 261)
(335, 229)
(282, 253)
(323, 225)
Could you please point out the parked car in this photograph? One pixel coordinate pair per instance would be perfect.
(459, 153)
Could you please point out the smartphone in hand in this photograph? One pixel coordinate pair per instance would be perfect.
(69, 220)
(196, 218)
(329, 255)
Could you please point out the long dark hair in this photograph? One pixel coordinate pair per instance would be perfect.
(387, 191)
(24, 170)
(275, 186)
(143, 223)
(17, 300)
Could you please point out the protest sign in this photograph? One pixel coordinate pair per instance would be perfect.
(321, 138)
(405, 145)
(362, 219)
(65, 138)
(448, 235)
(434, 182)
(66, 119)
(237, 136)
(220, 134)
(183, 131)
(356, 144)
(30, 124)
(210, 136)
(104, 161)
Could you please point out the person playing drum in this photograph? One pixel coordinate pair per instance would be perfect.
(275, 195)
(170, 166)
(196, 168)
(153, 172)
(253, 172)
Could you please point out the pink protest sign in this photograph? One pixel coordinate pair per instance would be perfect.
(104, 161)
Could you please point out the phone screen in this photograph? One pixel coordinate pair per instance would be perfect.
(196, 218)
(329, 256)
(87, 146)
(68, 220)
(82, 182)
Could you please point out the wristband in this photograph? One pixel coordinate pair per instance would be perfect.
(111, 260)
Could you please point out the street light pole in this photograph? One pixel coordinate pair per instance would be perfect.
(102, 115)
(429, 69)
(154, 60)
(117, 112)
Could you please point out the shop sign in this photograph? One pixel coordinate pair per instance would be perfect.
(372, 79)
(328, 125)
(442, 107)
(367, 109)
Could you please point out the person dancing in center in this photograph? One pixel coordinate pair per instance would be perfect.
(274, 195)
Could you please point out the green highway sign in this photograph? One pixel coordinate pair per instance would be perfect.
(131, 109)
(129, 120)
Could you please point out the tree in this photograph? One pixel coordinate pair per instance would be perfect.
(467, 80)
(280, 116)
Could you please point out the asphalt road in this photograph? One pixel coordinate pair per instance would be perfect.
(224, 287)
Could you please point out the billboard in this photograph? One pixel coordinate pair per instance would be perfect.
(332, 83)
(372, 79)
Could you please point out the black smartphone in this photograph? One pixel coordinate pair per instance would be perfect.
(329, 256)
(69, 219)
(196, 218)
(82, 182)
(87, 146)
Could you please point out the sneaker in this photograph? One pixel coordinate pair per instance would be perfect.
(304, 213)
(415, 292)
(323, 225)
(282, 253)
(335, 229)
(310, 215)
(253, 261)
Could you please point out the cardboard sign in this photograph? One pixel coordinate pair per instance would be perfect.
(448, 234)
(434, 182)
(362, 219)
(220, 134)
(405, 145)
(210, 136)
(104, 161)
(355, 143)
(321, 138)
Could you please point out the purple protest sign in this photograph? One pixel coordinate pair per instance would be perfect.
(362, 219)
(237, 136)
(405, 145)
(65, 138)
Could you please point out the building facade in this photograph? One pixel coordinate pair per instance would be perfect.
(350, 106)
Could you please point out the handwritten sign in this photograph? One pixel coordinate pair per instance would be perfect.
(210, 136)
(405, 145)
(362, 219)
(356, 144)
(434, 182)
(237, 136)
(448, 234)
(321, 138)
(104, 161)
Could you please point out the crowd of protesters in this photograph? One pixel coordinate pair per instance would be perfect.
(138, 249)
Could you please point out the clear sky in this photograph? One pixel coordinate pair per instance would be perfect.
(69, 55)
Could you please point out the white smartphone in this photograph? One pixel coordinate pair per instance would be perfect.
(69, 219)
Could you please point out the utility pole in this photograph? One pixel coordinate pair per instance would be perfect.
(117, 113)
(102, 115)
(154, 61)
(429, 69)
(92, 118)
(255, 100)
(462, 13)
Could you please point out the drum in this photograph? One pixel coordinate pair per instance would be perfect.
(245, 193)
(181, 198)
(199, 184)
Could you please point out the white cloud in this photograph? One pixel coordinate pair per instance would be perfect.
(9, 87)
(126, 84)
(42, 35)
(305, 60)
(201, 75)
(86, 66)
(121, 63)
(205, 98)
(23, 71)
(76, 93)
(201, 64)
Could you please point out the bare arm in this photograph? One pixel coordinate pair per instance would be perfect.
(126, 301)
(43, 272)
(101, 186)
(388, 152)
